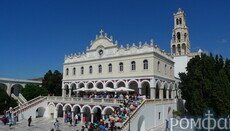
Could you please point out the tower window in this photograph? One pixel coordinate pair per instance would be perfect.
(99, 69)
(158, 66)
(90, 69)
(185, 36)
(177, 21)
(145, 64)
(133, 65)
(110, 67)
(121, 66)
(165, 69)
(178, 36)
(82, 70)
(74, 71)
(180, 21)
(67, 71)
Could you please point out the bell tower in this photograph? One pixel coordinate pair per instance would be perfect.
(180, 44)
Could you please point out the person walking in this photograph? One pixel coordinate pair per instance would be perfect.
(10, 122)
(15, 119)
(167, 125)
(56, 125)
(29, 120)
(70, 121)
(76, 118)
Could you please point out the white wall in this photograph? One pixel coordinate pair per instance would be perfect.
(180, 64)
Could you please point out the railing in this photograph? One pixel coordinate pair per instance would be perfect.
(22, 98)
(16, 98)
(139, 108)
(88, 100)
(27, 105)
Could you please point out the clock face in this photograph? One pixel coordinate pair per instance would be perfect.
(100, 52)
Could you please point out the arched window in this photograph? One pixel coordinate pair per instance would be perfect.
(121, 66)
(99, 69)
(174, 37)
(158, 65)
(165, 69)
(171, 71)
(74, 71)
(67, 71)
(177, 21)
(145, 64)
(110, 67)
(178, 36)
(133, 65)
(82, 70)
(180, 21)
(90, 69)
(185, 36)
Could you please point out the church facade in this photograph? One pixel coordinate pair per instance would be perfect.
(144, 68)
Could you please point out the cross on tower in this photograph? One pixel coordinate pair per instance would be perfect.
(101, 32)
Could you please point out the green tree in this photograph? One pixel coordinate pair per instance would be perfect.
(53, 82)
(32, 91)
(206, 85)
(6, 101)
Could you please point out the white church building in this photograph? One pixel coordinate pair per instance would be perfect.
(144, 68)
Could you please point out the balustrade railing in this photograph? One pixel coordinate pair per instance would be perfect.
(88, 100)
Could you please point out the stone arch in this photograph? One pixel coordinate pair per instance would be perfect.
(141, 123)
(81, 85)
(77, 110)
(96, 110)
(59, 109)
(120, 84)
(67, 107)
(15, 89)
(3, 86)
(40, 112)
(165, 90)
(173, 49)
(157, 90)
(99, 85)
(89, 85)
(109, 84)
(51, 108)
(145, 89)
(86, 110)
(107, 108)
(133, 84)
(73, 87)
(178, 49)
(184, 48)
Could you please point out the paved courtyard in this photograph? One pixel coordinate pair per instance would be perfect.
(39, 124)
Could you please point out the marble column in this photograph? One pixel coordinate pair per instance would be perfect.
(92, 115)
(152, 93)
(103, 116)
(82, 116)
(70, 91)
(63, 116)
(161, 94)
(167, 94)
(72, 113)
(139, 90)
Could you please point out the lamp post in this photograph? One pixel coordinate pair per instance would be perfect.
(129, 120)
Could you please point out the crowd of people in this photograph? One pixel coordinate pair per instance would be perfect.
(114, 120)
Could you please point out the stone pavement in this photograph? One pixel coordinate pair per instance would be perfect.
(39, 124)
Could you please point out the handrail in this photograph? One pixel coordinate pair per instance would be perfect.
(22, 97)
(28, 103)
(133, 114)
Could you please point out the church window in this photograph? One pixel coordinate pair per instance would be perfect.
(121, 66)
(185, 36)
(174, 37)
(165, 69)
(145, 64)
(158, 66)
(82, 70)
(177, 21)
(90, 69)
(74, 71)
(67, 71)
(99, 69)
(171, 71)
(133, 65)
(110, 67)
(178, 36)
(180, 21)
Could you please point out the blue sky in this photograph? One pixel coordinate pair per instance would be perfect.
(35, 35)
